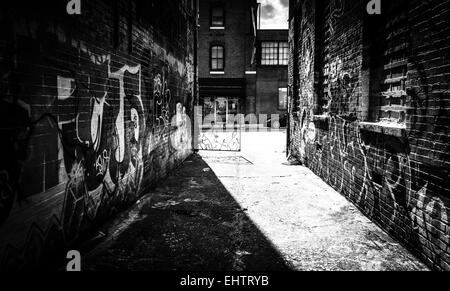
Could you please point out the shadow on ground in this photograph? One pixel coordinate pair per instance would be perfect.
(190, 223)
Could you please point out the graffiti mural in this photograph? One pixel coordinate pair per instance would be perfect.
(163, 97)
(373, 171)
(218, 139)
(181, 140)
(341, 90)
(87, 131)
(336, 12)
(102, 163)
(397, 174)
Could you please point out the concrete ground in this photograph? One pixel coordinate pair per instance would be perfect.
(226, 211)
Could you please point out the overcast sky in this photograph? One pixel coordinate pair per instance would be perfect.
(274, 14)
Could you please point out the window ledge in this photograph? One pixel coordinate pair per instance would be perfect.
(392, 129)
(217, 73)
(217, 28)
(280, 66)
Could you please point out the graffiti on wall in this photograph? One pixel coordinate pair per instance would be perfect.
(336, 12)
(180, 139)
(219, 140)
(306, 87)
(163, 96)
(341, 89)
(90, 143)
(402, 188)
(82, 122)
(374, 171)
(103, 162)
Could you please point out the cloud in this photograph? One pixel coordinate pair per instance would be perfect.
(274, 14)
(284, 3)
(268, 11)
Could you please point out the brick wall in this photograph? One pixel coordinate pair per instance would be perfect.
(396, 172)
(94, 111)
(270, 78)
(236, 38)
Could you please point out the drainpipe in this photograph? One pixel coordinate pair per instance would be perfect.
(259, 12)
(197, 26)
(195, 93)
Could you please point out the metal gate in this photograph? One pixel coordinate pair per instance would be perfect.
(218, 125)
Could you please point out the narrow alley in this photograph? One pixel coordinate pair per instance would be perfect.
(213, 135)
(246, 211)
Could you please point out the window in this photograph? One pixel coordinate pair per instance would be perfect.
(217, 17)
(392, 100)
(269, 54)
(217, 58)
(274, 53)
(282, 98)
(283, 53)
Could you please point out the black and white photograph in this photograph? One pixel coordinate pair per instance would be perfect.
(235, 137)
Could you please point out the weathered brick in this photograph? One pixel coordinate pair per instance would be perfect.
(413, 168)
(86, 104)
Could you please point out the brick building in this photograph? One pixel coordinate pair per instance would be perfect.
(272, 74)
(369, 112)
(242, 70)
(226, 56)
(94, 110)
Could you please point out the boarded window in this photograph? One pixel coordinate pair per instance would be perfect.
(392, 104)
(326, 59)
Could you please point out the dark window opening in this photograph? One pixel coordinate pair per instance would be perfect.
(217, 16)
